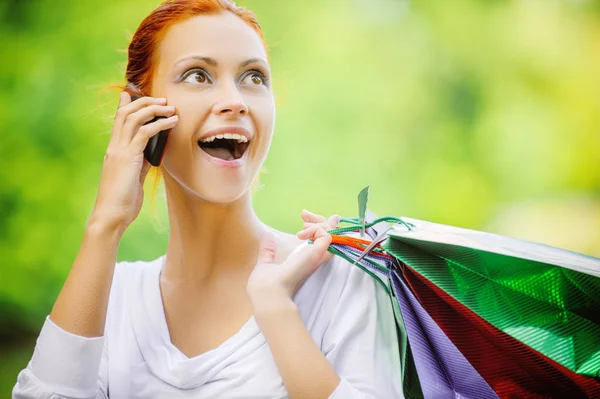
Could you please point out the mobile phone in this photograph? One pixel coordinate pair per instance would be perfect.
(155, 148)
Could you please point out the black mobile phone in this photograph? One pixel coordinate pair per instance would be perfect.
(155, 148)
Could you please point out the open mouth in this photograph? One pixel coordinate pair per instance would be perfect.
(222, 148)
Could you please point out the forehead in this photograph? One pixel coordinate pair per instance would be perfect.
(223, 36)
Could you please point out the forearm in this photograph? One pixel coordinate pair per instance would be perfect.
(82, 303)
(305, 371)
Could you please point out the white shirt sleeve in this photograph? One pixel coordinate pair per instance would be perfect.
(63, 365)
(361, 340)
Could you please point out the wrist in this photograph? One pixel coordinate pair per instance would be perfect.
(98, 225)
(266, 308)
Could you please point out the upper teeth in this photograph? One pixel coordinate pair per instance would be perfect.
(231, 136)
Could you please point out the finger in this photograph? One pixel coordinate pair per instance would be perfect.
(331, 224)
(143, 135)
(312, 217)
(322, 239)
(326, 255)
(333, 221)
(308, 232)
(316, 232)
(267, 248)
(127, 107)
(136, 120)
(306, 225)
(124, 99)
(307, 258)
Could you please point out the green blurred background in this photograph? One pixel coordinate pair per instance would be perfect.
(479, 114)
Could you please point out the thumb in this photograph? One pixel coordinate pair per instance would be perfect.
(311, 256)
(267, 248)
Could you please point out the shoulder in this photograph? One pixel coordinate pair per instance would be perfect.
(131, 278)
(337, 286)
(340, 276)
(351, 284)
(129, 271)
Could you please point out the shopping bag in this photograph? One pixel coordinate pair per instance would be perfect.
(480, 315)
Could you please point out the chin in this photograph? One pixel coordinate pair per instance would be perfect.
(220, 193)
(210, 178)
(215, 189)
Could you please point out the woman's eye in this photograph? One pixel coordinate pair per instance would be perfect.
(196, 76)
(255, 78)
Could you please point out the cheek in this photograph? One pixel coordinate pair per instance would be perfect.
(266, 128)
(192, 112)
(192, 108)
(263, 110)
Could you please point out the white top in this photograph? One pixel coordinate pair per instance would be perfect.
(348, 314)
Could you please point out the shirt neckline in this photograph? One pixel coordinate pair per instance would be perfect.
(163, 359)
(247, 331)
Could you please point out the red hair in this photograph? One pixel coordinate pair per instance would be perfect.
(142, 49)
(141, 61)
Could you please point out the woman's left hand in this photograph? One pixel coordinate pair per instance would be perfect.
(271, 284)
(312, 221)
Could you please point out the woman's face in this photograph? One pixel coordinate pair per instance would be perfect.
(213, 69)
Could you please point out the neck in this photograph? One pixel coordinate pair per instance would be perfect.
(210, 241)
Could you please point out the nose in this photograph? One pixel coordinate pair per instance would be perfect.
(231, 103)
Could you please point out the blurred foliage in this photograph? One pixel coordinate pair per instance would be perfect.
(480, 114)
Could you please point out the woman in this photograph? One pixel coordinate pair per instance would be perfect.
(234, 309)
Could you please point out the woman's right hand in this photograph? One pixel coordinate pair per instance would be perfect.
(121, 192)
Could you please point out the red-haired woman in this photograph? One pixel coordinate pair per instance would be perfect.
(235, 308)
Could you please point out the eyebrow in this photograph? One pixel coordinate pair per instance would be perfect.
(214, 63)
